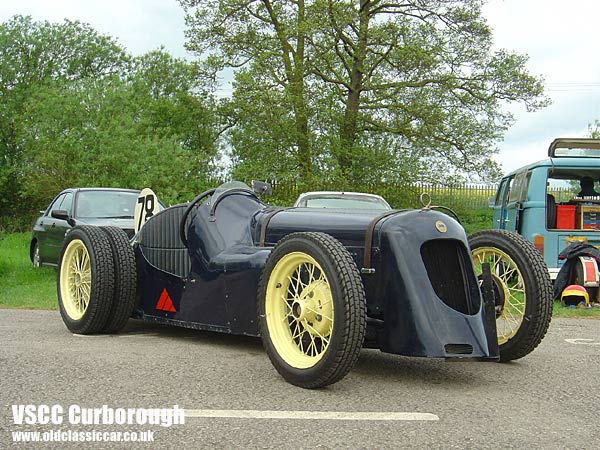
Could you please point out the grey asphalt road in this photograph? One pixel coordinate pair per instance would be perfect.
(550, 399)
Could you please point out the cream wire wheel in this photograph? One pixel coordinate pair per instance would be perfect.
(311, 309)
(76, 279)
(86, 280)
(299, 310)
(522, 289)
(508, 286)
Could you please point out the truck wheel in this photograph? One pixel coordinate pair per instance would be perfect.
(311, 309)
(522, 288)
(125, 279)
(85, 282)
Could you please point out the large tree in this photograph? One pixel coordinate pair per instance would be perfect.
(34, 55)
(421, 70)
(151, 128)
(417, 75)
(269, 36)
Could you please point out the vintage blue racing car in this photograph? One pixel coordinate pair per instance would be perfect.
(315, 284)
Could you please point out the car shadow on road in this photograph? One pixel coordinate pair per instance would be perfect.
(141, 328)
(417, 371)
(373, 364)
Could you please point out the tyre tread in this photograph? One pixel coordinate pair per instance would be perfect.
(125, 280)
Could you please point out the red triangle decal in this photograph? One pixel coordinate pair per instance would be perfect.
(165, 303)
(161, 300)
(169, 306)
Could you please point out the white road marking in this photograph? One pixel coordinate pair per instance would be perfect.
(111, 336)
(308, 415)
(582, 341)
(137, 335)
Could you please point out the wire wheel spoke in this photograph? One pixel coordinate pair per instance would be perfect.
(512, 291)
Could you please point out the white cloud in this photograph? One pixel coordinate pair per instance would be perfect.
(561, 39)
(138, 25)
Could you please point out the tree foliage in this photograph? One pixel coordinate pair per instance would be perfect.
(349, 92)
(77, 110)
(269, 38)
(418, 76)
(33, 55)
(594, 130)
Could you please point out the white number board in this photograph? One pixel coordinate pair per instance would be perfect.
(147, 205)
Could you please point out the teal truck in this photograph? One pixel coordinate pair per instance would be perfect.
(556, 202)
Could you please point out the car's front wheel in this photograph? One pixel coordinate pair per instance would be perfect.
(86, 280)
(521, 286)
(311, 309)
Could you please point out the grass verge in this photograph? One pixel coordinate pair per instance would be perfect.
(562, 311)
(22, 286)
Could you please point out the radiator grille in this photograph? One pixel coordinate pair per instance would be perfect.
(450, 272)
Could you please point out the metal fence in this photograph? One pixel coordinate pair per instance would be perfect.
(465, 195)
(400, 195)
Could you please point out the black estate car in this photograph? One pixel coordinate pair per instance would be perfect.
(79, 206)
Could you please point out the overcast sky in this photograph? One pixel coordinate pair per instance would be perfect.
(561, 38)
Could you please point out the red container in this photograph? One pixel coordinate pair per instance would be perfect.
(565, 217)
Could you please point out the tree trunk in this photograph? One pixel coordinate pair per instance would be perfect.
(293, 61)
(303, 156)
(300, 113)
(349, 126)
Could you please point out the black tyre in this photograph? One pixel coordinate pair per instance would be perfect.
(311, 309)
(125, 279)
(522, 288)
(86, 280)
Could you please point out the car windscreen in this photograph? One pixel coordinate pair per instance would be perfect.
(229, 186)
(106, 204)
(346, 203)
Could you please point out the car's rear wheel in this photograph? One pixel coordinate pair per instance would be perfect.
(311, 309)
(125, 279)
(521, 286)
(35, 256)
(86, 277)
